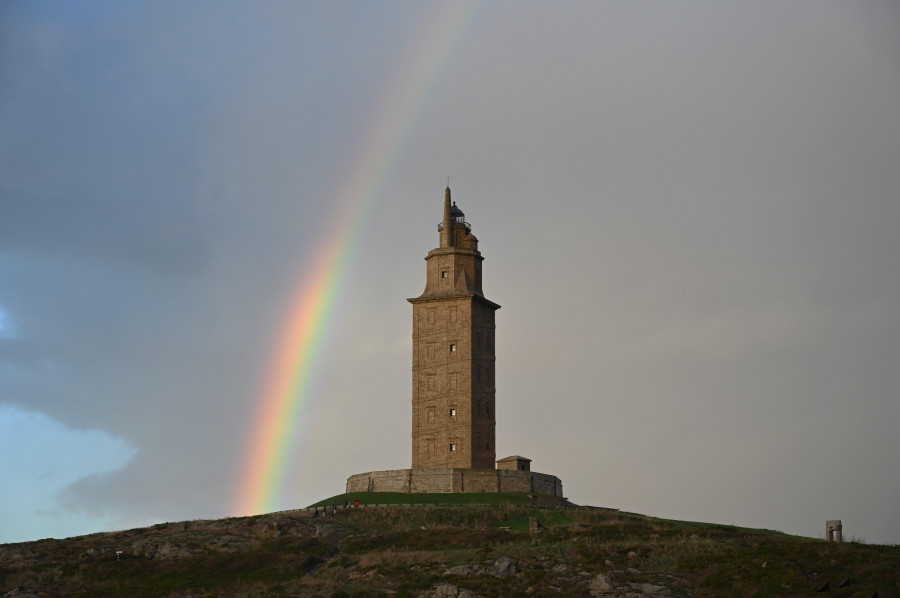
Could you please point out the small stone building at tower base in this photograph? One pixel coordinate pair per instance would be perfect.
(455, 480)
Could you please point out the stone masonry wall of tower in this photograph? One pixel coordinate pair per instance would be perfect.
(453, 355)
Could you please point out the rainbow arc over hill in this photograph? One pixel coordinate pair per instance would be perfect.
(294, 358)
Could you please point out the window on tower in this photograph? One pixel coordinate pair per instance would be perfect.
(453, 413)
(452, 447)
(443, 274)
(453, 347)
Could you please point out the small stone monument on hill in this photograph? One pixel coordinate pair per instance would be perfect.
(453, 398)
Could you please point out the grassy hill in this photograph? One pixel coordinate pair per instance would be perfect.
(442, 499)
(483, 546)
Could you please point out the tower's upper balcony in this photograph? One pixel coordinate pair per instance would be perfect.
(457, 217)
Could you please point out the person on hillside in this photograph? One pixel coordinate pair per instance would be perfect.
(357, 501)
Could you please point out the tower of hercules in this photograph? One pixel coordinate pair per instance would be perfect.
(453, 423)
(453, 394)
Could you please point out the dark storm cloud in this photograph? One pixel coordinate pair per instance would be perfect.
(687, 213)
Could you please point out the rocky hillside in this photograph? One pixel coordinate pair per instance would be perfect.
(470, 550)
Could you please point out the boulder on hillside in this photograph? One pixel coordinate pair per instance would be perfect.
(601, 584)
(167, 550)
(503, 567)
(448, 590)
(650, 589)
(462, 570)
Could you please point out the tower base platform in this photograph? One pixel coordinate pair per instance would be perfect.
(414, 481)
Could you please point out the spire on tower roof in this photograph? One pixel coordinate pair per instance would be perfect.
(447, 225)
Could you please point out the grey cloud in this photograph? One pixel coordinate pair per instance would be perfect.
(687, 214)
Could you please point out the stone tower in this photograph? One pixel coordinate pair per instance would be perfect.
(453, 425)
(453, 422)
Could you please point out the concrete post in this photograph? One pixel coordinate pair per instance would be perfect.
(833, 528)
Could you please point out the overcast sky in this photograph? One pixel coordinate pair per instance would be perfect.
(688, 212)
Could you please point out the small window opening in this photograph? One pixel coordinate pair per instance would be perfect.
(453, 413)
(443, 274)
(452, 447)
(453, 347)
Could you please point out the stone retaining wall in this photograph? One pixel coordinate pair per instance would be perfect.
(455, 480)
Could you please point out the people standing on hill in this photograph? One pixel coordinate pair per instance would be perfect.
(357, 501)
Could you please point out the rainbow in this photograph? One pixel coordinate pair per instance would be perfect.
(294, 362)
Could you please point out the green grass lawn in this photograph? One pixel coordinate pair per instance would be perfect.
(402, 498)
(699, 525)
